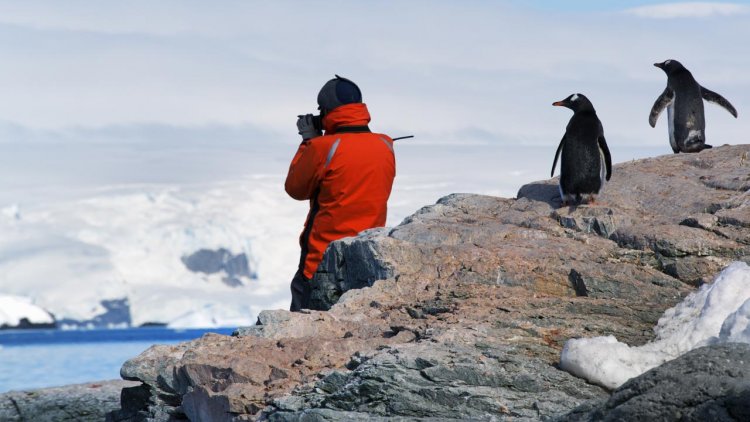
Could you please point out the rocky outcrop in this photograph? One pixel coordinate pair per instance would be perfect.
(82, 402)
(707, 384)
(461, 311)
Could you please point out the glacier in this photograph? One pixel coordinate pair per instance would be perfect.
(130, 243)
(15, 309)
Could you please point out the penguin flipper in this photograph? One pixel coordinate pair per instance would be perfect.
(715, 98)
(557, 154)
(660, 104)
(607, 157)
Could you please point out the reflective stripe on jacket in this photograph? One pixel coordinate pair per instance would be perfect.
(346, 176)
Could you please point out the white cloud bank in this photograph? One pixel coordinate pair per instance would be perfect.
(688, 10)
(716, 313)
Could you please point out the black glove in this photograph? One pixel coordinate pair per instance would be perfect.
(306, 127)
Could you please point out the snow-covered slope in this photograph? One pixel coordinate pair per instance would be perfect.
(14, 309)
(130, 243)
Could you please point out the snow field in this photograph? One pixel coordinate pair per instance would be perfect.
(14, 308)
(128, 242)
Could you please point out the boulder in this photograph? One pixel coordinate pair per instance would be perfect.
(461, 311)
(82, 402)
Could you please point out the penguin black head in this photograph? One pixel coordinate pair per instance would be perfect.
(669, 66)
(575, 102)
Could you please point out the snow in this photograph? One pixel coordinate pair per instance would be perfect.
(15, 308)
(128, 242)
(717, 313)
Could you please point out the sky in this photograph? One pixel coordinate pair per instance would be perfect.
(470, 72)
(102, 93)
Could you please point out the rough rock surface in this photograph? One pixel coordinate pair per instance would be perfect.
(707, 384)
(460, 312)
(81, 402)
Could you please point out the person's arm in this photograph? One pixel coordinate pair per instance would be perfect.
(302, 179)
(304, 172)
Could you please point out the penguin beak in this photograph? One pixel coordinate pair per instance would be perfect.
(659, 65)
(559, 103)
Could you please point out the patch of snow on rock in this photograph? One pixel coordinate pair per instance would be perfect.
(717, 313)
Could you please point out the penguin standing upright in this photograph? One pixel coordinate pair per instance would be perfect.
(586, 162)
(683, 97)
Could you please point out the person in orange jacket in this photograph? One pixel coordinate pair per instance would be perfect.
(346, 174)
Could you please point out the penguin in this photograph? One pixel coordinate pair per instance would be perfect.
(586, 162)
(683, 97)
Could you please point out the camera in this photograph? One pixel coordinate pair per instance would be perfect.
(318, 122)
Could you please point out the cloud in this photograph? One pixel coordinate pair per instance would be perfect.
(688, 10)
(235, 64)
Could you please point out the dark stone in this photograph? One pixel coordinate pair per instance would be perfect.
(133, 400)
(543, 192)
(436, 382)
(80, 402)
(578, 284)
(599, 221)
(349, 263)
(708, 383)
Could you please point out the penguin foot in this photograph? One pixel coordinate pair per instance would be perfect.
(588, 199)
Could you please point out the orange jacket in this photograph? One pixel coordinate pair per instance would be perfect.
(347, 177)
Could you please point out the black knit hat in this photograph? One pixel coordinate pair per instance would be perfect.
(337, 92)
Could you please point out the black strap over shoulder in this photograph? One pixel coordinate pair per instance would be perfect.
(353, 129)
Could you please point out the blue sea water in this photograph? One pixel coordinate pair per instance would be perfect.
(48, 358)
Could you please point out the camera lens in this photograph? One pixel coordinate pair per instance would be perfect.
(318, 122)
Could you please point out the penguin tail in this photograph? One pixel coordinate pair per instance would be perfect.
(707, 146)
(695, 142)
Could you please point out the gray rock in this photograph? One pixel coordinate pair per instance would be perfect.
(529, 241)
(707, 384)
(461, 311)
(424, 381)
(269, 319)
(81, 402)
(600, 221)
(353, 263)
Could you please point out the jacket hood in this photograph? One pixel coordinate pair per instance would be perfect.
(346, 115)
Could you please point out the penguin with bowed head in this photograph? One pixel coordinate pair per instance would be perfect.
(683, 98)
(586, 162)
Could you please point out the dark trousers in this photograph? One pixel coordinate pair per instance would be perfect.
(301, 291)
